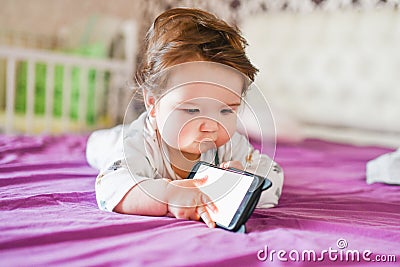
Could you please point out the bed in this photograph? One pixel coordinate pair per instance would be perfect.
(49, 215)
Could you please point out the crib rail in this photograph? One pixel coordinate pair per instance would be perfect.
(110, 77)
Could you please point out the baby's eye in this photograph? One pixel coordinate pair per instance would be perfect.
(191, 110)
(227, 111)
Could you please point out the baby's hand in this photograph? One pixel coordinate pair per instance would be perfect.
(186, 201)
(231, 164)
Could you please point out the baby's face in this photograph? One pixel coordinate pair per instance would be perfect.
(199, 113)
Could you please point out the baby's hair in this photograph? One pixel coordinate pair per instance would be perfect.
(182, 35)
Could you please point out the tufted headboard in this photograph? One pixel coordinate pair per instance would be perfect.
(333, 75)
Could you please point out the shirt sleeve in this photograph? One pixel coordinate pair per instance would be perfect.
(102, 145)
(255, 162)
(114, 182)
(122, 163)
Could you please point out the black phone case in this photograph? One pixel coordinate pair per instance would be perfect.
(263, 184)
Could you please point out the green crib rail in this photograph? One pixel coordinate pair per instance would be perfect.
(96, 51)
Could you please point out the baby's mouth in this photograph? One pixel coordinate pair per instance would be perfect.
(206, 144)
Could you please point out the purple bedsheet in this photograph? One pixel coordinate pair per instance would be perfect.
(49, 215)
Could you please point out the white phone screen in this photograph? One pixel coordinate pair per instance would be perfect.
(226, 189)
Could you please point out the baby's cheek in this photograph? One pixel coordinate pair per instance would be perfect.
(230, 126)
(225, 134)
(185, 136)
(169, 133)
(172, 128)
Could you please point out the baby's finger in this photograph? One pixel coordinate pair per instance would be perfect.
(200, 181)
(206, 200)
(224, 165)
(203, 213)
(195, 216)
(232, 164)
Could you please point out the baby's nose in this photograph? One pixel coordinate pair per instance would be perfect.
(209, 125)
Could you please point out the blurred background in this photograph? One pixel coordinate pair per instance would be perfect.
(328, 68)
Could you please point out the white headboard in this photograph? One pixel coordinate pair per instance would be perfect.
(334, 75)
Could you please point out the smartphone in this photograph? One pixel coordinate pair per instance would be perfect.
(234, 192)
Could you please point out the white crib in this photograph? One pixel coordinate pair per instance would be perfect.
(107, 99)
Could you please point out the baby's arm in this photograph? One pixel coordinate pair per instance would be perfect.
(182, 198)
(151, 195)
(260, 164)
(270, 197)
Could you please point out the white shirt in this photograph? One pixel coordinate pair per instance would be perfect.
(128, 155)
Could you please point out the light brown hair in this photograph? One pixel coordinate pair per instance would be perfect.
(183, 34)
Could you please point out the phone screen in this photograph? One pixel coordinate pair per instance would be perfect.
(226, 189)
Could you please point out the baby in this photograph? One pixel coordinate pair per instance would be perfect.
(193, 75)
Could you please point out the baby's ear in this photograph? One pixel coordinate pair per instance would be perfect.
(149, 102)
